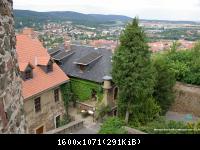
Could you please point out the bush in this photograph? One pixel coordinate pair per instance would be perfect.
(113, 125)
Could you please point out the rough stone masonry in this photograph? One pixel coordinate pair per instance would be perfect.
(12, 119)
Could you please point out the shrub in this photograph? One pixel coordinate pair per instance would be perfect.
(113, 125)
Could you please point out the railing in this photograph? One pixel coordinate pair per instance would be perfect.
(84, 106)
(67, 129)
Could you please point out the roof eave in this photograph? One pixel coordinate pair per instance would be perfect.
(39, 93)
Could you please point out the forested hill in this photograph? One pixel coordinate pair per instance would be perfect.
(27, 17)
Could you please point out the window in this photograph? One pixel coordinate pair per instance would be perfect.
(28, 74)
(37, 104)
(57, 121)
(50, 67)
(56, 95)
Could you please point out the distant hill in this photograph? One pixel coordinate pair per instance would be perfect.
(28, 17)
(170, 21)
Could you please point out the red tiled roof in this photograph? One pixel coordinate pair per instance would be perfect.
(42, 60)
(27, 50)
(23, 65)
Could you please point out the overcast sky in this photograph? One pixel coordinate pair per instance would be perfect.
(145, 9)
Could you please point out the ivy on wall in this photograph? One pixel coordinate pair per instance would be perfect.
(66, 94)
(82, 89)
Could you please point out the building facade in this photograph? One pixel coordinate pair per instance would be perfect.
(42, 78)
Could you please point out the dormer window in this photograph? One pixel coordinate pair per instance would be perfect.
(45, 63)
(50, 66)
(26, 70)
(87, 60)
(28, 74)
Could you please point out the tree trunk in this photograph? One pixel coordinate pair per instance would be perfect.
(127, 113)
(127, 116)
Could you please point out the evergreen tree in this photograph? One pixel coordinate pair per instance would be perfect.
(134, 75)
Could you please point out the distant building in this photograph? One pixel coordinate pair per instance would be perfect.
(108, 44)
(184, 44)
(89, 69)
(42, 78)
(165, 45)
(159, 46)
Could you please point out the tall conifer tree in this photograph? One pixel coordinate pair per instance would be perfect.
(134, 75)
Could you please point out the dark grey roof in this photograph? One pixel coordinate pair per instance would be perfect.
(53, 51)
(94, 71)
(86, 60)
(62, 55)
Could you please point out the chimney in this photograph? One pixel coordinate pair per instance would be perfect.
(36, 61)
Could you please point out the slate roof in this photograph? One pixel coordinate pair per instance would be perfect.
(94, 70)
(86, 60)
(62, 55)
(53, 51)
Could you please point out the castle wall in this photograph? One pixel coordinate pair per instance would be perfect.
(12, 118)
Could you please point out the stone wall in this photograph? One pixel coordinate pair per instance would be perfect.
(12, 118)
(69, 128)
(187, 99)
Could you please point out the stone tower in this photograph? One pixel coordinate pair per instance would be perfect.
(12, 118)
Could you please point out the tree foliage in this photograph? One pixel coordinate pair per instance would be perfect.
(163, 91)
(134, 74)
(185, 64)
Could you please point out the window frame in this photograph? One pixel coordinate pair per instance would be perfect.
(57, 124)
(28, 74)
(37, 104)
(56, 95)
